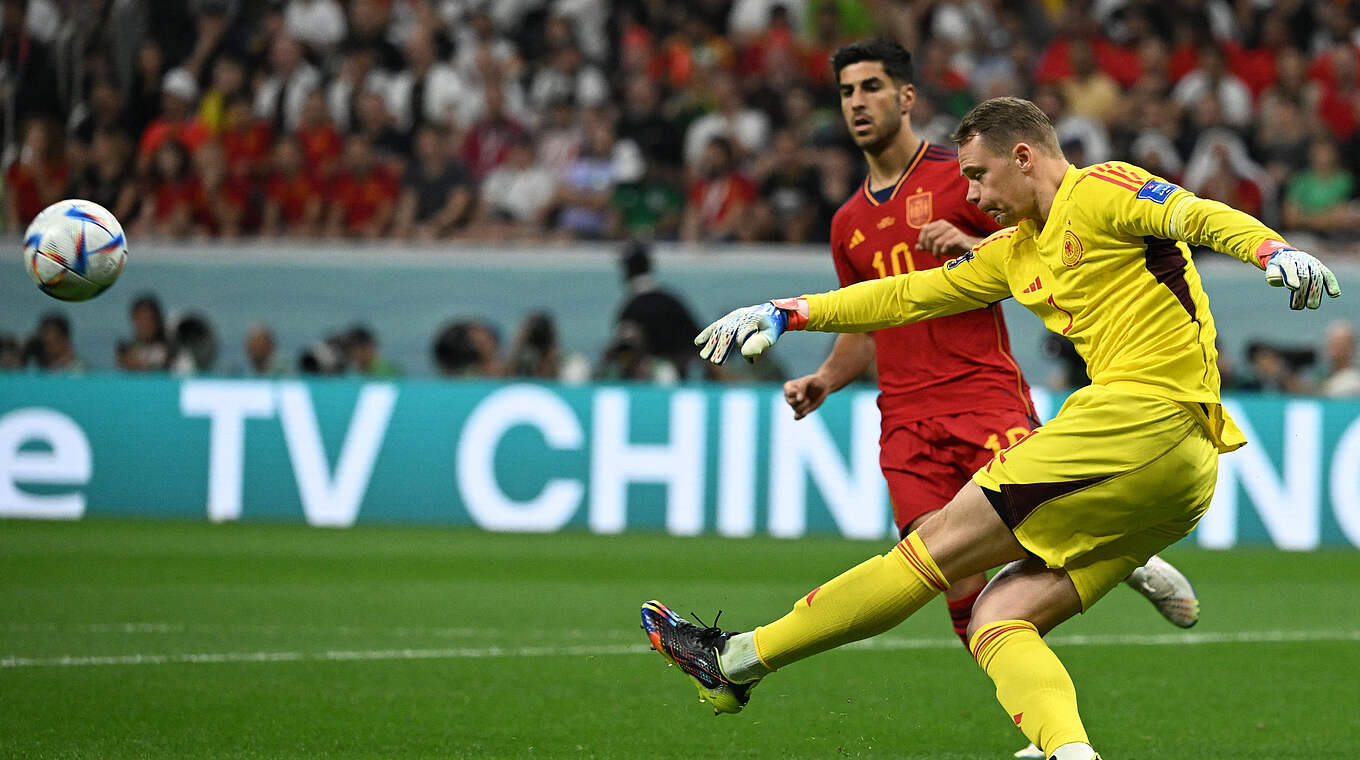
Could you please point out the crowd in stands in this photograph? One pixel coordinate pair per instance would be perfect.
(650, 342)
(704, 121)
(710, 120)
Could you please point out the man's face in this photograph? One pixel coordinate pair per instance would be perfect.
(996, 185)
(873, 107)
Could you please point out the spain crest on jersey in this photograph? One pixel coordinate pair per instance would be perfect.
(919, 209)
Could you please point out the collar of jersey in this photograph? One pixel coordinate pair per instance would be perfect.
(915, 159)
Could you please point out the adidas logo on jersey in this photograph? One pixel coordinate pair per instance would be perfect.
(856, 238)
(1033, 286)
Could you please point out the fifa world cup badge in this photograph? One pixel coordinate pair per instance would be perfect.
(1072, 249)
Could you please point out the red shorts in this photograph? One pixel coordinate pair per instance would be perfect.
(927, 461)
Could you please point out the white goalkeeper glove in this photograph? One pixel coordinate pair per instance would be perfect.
(1303, 274)
(751, 328)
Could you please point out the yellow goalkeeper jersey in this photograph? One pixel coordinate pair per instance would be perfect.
(1110, 270)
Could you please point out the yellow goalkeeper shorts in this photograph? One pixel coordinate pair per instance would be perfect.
(1114, 478)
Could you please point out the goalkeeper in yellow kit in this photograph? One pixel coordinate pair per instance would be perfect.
(1125, 469)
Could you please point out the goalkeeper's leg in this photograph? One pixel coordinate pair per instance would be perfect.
(960, 541)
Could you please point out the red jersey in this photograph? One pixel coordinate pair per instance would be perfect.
(362, 196)
(948, 365)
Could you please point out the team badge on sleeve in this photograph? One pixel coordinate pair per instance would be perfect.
(1157, 191)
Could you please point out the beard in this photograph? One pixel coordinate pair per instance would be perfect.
(879, 141)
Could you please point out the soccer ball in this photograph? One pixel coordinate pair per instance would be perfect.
(74, 250)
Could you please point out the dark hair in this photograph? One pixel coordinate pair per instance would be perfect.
(896, 59)
(1003, 122)
(636, 260)
(149, 301)
(57, 321)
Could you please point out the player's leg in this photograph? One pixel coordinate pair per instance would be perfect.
(910, 492)
(961, 540)
(1024, 601)
(925, 463)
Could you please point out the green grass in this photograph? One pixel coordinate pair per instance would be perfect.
(572, 677)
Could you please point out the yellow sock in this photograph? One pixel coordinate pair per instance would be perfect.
(864, 601)
(1031, 683)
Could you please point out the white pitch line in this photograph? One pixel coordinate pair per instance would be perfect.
(465, 653)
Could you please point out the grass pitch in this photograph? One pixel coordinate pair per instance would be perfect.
(126, 639)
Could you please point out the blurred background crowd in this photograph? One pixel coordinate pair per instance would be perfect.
(707, 121)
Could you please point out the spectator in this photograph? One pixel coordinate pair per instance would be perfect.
(223, 205)
(247, 140)
(643, 122)
(39, 176)
(467, 348)
(104, 179)
(1343, 377)
(368, 23)
(1220, 168)
(488, 142)
(1088, 90)
(177, 120)
(1319, 198)
(318, 137)
(627, 356)
(517, 197)
(144, 101)
(648, 207)
(364, 356)
(427, 90)
(1276, 369)
(261, 349)
(1213, 79)
(536, 353)
(390, 145)
(362, 198)
(560, 136)
(149, 348)
(567, 75)
(28, 73)
(789, 207)
(437, 194)
(193, 350)
(171, 195)
(585, 186)
(228, 83)
(101, 111)
(358, 72)
(292, 198)
(715, 210)
(318, 24)
(324, 357)
(51, 347)
(746, 129)
(279, 98)
(11, 353)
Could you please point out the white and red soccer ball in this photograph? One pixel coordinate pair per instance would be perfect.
(74, 250)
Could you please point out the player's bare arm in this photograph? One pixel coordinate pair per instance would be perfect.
(849, 357)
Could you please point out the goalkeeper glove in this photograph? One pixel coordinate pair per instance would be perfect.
(1302, 273)
(751, 328)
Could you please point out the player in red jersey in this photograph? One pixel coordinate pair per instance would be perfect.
(951, 394)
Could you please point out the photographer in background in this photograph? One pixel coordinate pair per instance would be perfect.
(536, 353)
